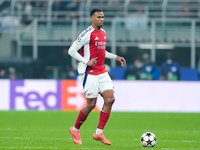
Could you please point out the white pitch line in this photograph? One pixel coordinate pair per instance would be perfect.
(185, 141)
(45, 138)
(90, 148)
(11, 129)
(34, 138)
(179, 148)
(86, 148)
(30, 148)
(188, 141)
(22, 147)
(43, 148)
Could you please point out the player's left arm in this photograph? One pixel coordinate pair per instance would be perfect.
(118, 58)
(121, 60)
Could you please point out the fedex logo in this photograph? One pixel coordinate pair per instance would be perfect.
(66, 95)
(72, 96)
(35, 95)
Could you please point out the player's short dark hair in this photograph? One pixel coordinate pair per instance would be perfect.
(95, 10)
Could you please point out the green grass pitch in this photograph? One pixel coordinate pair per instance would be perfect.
(50, 130)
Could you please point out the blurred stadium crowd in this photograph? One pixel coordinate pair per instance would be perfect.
(27, 9)
(56, 63)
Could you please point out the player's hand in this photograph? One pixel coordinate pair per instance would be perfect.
(92, 62)
(121, 60)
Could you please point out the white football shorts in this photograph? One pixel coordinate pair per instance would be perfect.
(95, 84)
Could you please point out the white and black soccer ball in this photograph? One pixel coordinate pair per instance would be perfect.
(148, 139)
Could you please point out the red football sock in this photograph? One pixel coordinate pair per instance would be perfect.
(103, 119)
(80, 119)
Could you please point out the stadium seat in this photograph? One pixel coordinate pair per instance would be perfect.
(188, 74)
(156, 74)
(117, 73)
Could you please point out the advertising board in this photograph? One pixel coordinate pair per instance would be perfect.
(67, 95)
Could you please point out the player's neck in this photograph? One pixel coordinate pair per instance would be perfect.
(96, 28)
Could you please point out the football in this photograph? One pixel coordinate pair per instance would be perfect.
(148, 139)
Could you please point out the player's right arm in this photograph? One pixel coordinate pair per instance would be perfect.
(73, 50)
(81, 41)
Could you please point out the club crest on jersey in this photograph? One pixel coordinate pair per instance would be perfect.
(79, 39)
(96, 38)
(104, 37)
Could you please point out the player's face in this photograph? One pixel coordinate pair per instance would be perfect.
(98, 19)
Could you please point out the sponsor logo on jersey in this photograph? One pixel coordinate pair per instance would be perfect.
(96, 38)
(100, 45)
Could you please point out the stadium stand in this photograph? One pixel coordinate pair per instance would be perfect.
(140, 24)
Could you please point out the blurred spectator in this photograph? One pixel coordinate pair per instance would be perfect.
(71, 6)
(72, 74)
(27, 15)
(133, 70)
(38, 69)
(185, 11)
(38, 4)
(108, 69)
(170, 69)
(148, 69)
(18, 6)
(11, 73)
(27, 68)
(5, 4)
(43, 15)
(74, 7)
(199, 8)
(9, 22)
(28, 9)
(136, 21)
(113, 2)
(123, 52)
(198, 64)
(56, 5)
(45, 4)
(2, 73)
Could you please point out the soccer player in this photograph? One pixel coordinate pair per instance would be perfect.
(92, 43)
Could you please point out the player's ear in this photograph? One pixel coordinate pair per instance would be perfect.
(92, 17)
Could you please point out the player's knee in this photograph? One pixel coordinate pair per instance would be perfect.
(110, 101)
(92, 104)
